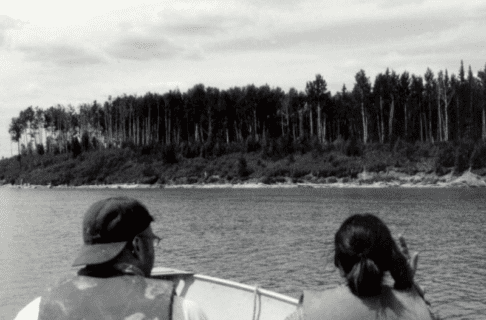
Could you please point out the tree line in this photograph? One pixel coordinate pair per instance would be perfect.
(429, 108)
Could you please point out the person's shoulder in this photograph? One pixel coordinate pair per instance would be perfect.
(30, 311)
(334, 303)
(406, 294)
(339, 292)
(341, 303)
(411, 295)
(336, 299)
(407, 302)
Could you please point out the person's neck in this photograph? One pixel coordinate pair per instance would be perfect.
(111, 270)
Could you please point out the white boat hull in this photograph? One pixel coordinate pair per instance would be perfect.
(224, 299)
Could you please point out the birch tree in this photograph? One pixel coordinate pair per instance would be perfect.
(317, 93)
(362, 92)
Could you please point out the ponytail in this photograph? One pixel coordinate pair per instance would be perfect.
(365, 278)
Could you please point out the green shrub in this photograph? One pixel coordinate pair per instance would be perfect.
(149, 171)
(299, 173)
(267, 180)
(272, 180)
(242, 167)
(376, 146)
(251, 145)
(403, 149)
(149, 180)
(302, 145)
(317, 148)
(234, 147)
(129, 145)
(95, 143)
(190, 150)
(423, 149)
(339, 144)
(285, 145)
(376, 167)
(40, 149)
(85, 143)
(169, 154)
(445, 155)
(440, 170)
(219, 149)
(478, 156)
(76, 147)
(279, 172)
(461, 163)
(462, 156)
(331, 180)
(290, 159)
(277, 149)
(353, 148)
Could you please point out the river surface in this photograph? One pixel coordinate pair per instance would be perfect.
(280, 239)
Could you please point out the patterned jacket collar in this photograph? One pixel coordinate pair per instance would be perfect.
(114, 270)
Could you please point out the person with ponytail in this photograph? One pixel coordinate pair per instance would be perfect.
(364, 252)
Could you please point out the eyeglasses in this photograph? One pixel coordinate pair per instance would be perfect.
(154, 238)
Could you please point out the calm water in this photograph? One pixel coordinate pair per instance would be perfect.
(280, 239)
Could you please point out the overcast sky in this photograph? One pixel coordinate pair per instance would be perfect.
(70, 52)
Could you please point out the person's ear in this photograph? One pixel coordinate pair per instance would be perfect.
(136, 246)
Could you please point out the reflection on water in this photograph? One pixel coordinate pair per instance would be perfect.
(280, 239)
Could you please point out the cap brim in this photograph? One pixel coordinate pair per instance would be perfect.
(98, 253)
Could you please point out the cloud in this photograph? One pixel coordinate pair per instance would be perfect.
(142, 48)
(338, 36)
(203, 25)
(172, 35)
(62, 54)
(414, 28)
(399, 3)
(7, 23)
(207, 25)
(381, 31)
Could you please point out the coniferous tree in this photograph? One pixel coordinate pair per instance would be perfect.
(392, 86)
(482, 95)
(404, 96)
(380, 89)
(416, 98)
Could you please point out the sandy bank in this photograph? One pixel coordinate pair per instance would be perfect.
(364, 180)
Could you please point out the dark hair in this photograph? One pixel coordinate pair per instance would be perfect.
(364, 251)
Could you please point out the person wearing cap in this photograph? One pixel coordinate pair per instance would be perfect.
(118, 256)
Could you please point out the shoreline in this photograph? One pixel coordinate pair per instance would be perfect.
(364, 180)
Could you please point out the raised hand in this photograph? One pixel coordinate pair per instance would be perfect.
(406, 266)
(412, 260)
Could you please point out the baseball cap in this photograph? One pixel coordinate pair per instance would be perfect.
(108, 226)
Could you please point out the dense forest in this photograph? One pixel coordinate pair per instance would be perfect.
(206, 121)
(435, 107)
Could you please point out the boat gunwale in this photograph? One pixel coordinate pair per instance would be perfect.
(167, 272)
(248, 288)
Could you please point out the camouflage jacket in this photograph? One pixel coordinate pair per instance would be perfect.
(126, 295)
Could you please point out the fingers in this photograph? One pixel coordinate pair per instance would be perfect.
(414, 262)
(411, 258)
